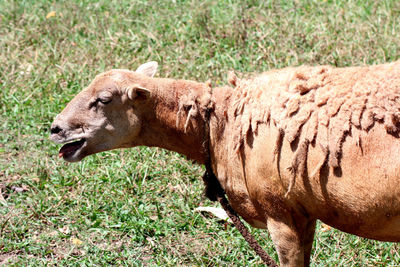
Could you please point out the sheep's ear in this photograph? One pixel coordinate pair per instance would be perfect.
(137, 91)
(148, 69)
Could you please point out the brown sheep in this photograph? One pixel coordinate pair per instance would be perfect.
(289, 146)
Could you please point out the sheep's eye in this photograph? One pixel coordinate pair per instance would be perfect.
(104, 100)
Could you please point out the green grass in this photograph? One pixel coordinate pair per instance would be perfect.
(135, 206)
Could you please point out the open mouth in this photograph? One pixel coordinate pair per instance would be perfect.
(70, 149)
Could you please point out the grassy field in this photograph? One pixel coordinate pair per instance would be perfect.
(135, 207)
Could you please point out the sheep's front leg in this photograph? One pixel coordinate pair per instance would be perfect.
(293, 241)
(308, 239)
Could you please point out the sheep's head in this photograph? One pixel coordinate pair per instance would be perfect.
(106, 115)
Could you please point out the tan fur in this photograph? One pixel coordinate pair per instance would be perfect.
(288, 146)
(339, 99)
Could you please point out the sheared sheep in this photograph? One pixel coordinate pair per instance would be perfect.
(289, 146)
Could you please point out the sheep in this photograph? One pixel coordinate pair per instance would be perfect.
(288, 146)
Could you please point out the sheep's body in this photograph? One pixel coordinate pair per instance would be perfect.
(314, 143)
(289, 147)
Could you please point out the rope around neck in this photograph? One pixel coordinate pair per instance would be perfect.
(215, 192)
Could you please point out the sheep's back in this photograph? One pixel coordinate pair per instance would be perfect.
(325, 102)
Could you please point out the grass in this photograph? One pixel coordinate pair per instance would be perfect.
(134, 207)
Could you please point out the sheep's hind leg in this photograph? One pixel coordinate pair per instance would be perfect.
(293, 241)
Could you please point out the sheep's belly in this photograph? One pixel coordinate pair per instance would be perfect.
(361, 197)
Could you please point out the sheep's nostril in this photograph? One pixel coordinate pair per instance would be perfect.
(55, 130)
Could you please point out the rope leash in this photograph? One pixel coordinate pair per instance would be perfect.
(215, 192)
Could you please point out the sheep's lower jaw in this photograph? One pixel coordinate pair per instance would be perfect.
(70, 151)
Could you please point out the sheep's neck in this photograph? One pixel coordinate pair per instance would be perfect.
(165, 128)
